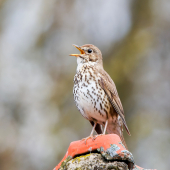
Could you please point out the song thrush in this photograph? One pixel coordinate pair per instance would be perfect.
(95, 93)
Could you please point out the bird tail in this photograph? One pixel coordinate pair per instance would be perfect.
(123, 141)
(111, 130)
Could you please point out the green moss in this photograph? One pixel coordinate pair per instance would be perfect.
(79, 158)
(63, 164)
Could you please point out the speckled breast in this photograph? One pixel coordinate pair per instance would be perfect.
(89, 97)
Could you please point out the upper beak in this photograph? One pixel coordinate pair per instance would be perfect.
(81, 51)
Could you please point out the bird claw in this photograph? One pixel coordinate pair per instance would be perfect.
(85, 139)
(94, 137)
(91, 137)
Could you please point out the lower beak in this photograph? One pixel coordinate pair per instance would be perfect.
(81, 51)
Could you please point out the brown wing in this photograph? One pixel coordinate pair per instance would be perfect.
(109, 87)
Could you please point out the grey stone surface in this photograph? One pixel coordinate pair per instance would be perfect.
(93, 161)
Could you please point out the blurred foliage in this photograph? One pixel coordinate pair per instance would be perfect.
(38, 117)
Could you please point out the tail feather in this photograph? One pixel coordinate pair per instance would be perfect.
(125, 125)
(123, 141)
(118, 131)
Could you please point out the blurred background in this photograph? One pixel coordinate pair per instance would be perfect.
(38, 117)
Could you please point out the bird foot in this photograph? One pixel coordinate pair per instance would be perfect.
(94, 137)
(85, 139)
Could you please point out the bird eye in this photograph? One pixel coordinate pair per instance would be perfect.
(90, 51)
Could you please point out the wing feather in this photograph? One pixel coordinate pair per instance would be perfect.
(109, 87)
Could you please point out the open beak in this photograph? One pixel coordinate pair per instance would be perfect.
(81, 51)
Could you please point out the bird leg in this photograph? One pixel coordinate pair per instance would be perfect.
(104, 132)
(105, 127)
(91, 134)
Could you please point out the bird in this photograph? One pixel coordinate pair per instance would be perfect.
(95, 94)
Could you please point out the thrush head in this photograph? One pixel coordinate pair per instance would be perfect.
(88, 54)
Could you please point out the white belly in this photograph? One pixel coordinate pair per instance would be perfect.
(90, 98)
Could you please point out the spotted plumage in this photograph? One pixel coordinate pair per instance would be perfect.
(89, 99)
(95, 93)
